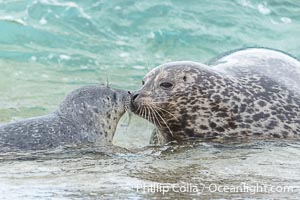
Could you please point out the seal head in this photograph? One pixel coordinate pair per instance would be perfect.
(173, 96)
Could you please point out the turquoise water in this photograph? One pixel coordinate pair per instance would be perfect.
(50, 47)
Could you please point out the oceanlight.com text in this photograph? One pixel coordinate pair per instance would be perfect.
(213, 188)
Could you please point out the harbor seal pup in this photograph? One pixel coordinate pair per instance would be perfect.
(88, 115)
(251, 93)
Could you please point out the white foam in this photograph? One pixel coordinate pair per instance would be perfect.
(44, 76)
(151, 35)
(50, 56)
(43, 21)
(12, 19)
(286, 20)
(67, 4)
(64, 57)
(138, 67)
(246, 3)
(262, 8)
(124, 55)
(118, 8)
(121, 43)
(33, 58)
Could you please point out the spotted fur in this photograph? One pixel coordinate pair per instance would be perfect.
(223, 101)
(88, 115)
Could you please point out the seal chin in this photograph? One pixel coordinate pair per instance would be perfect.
(127, 102)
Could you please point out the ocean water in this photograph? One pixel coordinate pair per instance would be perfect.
(50, 47)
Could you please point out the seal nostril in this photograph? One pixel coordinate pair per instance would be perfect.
(134, 96)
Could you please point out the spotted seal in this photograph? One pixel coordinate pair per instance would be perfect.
(250, 93)
(88, 115)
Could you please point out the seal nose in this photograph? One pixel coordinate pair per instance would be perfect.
(134, 97)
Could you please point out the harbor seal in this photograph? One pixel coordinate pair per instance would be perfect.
(88, 115)
(250, 93)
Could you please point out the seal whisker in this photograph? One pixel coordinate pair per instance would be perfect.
(144, 112)
(152, 115)
(148, 114)
(164, 122)
(155, 116)
(165, 111)
(138, 110)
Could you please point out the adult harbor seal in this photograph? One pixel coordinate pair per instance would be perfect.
(251, 93)
(88, 115)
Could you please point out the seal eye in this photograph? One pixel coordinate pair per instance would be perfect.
(143, 82)
(166, 85)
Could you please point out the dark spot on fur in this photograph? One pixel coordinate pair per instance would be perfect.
(189, 132)
(243, 108)
(215, 108)
(257, 133)
(225, 93)
(235, 98)
(235, 109)
(195, 108)
(232, 125)
(220, 129)
(244, 132)
(286, 127)
(272, 125)
(176, 127)
(262, 103)
(249, 121)
(250, 110)
(276, 135)
(225, 100)
(281, 117)
(217, 98)
(203, 127)
(222, 114)
(212, 125)
(285, 134)
(288, 108)
(245, 126)
(260, 115)
(210, 93)
(184, 78)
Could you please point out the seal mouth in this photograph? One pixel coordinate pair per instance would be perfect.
(127, 102)
(154, 113)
